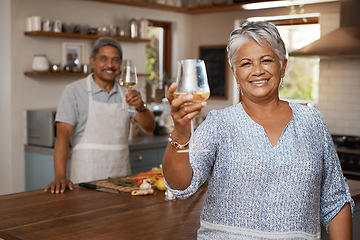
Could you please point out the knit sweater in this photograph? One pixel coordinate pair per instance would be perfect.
(260, 191)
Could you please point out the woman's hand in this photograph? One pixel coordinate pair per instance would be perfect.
(182, 113)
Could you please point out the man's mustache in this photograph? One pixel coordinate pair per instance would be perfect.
(109, 69)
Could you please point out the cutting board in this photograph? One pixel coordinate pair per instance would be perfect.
(106, 184)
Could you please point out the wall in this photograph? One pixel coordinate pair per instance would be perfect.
(6, 165)
(339, 98)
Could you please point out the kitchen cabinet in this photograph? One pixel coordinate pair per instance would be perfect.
(39, 167)
(146, 152)
(145, 160)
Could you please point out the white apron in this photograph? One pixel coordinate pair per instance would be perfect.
(103, 149)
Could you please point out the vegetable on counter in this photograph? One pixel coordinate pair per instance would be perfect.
(121, 182)
(153, 178)
(143, 191)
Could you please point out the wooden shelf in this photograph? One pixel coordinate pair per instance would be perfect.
(146, 5)
(83, 36)
(196, 10)
(75, 74)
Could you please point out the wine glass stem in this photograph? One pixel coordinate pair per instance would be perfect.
(192, 141)
(127, 105)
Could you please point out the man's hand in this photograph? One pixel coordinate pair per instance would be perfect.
(59, 185)
(133, 98)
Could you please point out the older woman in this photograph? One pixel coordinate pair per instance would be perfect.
(272, 166)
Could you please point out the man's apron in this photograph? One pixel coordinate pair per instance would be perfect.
(103, 150)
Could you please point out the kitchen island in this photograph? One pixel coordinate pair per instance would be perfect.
(146, 152)
(89, 214)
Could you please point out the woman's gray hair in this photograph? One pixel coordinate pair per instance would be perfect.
(259, 31)
(105, 41)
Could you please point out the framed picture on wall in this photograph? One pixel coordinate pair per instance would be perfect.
(215, 62)
(72, 54)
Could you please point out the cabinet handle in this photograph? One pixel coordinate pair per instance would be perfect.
(138, 158)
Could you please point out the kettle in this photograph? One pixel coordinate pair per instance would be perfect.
(40, 63)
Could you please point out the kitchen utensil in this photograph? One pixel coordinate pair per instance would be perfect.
(134, 28)
(68, 27)
(84, 29)
(46, 25)
(103, 30)
(113, 30)
(144, 23)
(97, 188)
(40, 63)
(86, 68)
(55, 67)
(36, 23)
(28, 24)
(57, 27)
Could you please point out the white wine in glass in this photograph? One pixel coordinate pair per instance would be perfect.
(192, 79)
(128, 79)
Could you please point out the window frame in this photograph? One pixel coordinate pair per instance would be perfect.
(167, 27)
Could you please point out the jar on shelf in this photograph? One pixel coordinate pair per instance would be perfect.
(40, 63)
(143, 24)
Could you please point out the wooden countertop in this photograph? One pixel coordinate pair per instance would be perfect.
(89, 214)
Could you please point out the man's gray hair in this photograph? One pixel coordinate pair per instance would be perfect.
(259, 31)
(105, 41)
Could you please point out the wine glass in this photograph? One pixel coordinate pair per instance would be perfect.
(192, 79)
(128, 79)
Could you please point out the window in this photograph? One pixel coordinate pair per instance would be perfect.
(158, 59)
(302, 73)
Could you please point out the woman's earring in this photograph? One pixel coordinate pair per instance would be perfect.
(282, 82)
(239, 89)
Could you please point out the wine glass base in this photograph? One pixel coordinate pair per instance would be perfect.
(128, 110)
(193, 149)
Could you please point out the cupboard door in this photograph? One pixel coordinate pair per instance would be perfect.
(145, 160)
(39, 170)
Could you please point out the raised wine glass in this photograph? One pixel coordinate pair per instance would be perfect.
(128, 79)
(192, 79)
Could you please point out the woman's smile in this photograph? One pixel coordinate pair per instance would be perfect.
(259, 82)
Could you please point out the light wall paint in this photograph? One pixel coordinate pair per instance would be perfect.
(21, 92)
(6, 163)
